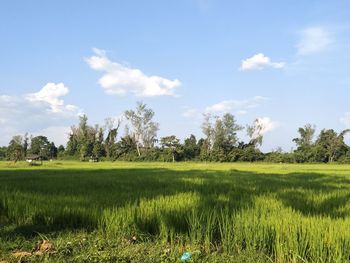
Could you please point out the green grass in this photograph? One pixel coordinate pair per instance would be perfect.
(230, 212)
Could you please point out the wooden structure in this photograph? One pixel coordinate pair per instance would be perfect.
(32, 159)
(93, 159)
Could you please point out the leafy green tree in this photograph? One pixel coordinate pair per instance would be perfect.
(53, 150)
(305, 139)
(60, 151)
(72, 144)
(40, 145)
(224, 137)
(218, 149)
(230, 130)
(330, 146)
(82, 139)
(15, 149)
(204, 154)
(249, 153)
(112, 127)
(190, 148)
(126, 147)
(220, 136)
(98, 147)
(208, 131)
(84, 152)
(25, 144)
(172, 144)
(255, 134)
(278, 156)
(305, 146)
(144, 128)
(3, 151)
(345, 158)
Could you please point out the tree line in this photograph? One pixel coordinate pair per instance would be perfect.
(139, 142)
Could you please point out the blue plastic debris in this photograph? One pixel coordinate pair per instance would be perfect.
(186, 256)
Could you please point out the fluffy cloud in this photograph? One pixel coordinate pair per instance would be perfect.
(36, 112)
(119, 79)
(192, 113)
(346, 120)
(241, 106)
(260, 61)
(238, 107)
(314, 40)
(50, 94)
(58, 134)
(267, 124)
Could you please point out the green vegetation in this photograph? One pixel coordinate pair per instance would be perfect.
(140, 143)
(153, 212)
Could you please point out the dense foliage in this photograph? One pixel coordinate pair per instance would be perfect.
(139, 142)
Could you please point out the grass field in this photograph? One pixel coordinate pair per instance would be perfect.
(153, 212)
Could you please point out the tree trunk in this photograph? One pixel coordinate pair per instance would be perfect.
(138, 149)
(173, 158)
(107, 152)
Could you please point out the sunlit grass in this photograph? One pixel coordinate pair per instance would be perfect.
(288, 213)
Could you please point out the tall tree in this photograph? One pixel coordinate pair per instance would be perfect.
(230, 129)
(126, 145)
(40, 145)
(15, 149)
(98, 149)
(81, 139)
(225, 133)
(330, 145)
(172, 144)
(144, 128)
(25, 144)
(60, 151)
(208, 130)
(191, 148)
(305, 145)
(112, 127)
(255, 133)
(3, 151)
(306, 135)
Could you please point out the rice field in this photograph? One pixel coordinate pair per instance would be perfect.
(154, 212)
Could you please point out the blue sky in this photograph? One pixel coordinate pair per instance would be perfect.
(284, 62)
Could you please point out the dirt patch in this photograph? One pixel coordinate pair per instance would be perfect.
(21, 254)
(44, 246)
(41, 248)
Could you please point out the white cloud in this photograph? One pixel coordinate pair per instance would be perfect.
(346, 120)
(238, 107)
(50, 94)
(267, 124)
(35, 112)
(119, 79)
(314, 40)
(260, 61)
(192, 113)
(241, 106)
(57, 134)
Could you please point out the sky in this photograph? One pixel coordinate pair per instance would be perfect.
(285, 63)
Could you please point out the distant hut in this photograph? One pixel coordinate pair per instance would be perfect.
(32, 159)
(93, 159)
